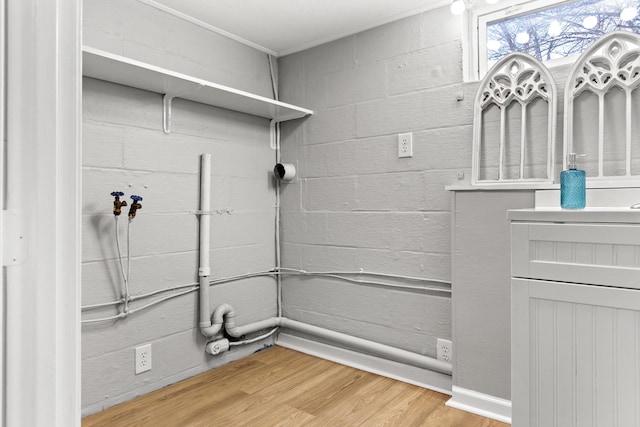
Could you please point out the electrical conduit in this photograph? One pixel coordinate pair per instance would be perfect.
(225, 312)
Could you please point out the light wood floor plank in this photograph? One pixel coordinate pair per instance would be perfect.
(451, 417)
(270, 414)
(281, 376)
(410, 408)
(315, 391)
(282, 387)
(355, 410)
(327, 389)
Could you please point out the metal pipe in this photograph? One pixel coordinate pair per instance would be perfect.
(369, 347)
(225, 312)
(238, 331)
(204, 270)
(382, 350)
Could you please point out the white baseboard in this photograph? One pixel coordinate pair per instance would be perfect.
(481, 404)
(387, 368)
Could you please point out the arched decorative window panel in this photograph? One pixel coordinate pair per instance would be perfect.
(514, 124)
(602, 110)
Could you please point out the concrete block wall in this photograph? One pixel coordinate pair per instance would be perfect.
(356, 205)
(139, 31)
(125, 149)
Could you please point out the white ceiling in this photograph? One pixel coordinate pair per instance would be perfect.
(281, 27)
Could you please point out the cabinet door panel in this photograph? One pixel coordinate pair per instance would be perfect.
(576, 355)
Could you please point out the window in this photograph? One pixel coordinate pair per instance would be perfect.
(549, 30)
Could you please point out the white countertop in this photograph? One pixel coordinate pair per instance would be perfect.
(599, 215)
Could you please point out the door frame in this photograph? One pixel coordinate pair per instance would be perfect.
(43, 191)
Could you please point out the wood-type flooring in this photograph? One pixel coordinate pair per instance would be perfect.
(282, 387)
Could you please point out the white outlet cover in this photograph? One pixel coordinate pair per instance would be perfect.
(405, 145)
(444, 350)
(143, 358)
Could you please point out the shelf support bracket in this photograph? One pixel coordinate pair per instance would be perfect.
(166, 113)
(167, 101)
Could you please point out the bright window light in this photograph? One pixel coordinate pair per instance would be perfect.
(628, 13)
(590, 22)
(493, 44)
(458, 7)
(548, 30)
(554, 29)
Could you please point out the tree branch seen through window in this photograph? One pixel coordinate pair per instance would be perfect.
(560, 31)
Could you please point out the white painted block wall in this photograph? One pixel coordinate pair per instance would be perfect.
(138, 31)
(125, 149)
(356, 204)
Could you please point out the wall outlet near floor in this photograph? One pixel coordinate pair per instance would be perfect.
(405, 145)
(444, 350)
(143, 358)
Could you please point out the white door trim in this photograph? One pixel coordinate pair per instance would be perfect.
(43, 184)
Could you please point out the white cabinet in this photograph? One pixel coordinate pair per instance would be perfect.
(575, 318)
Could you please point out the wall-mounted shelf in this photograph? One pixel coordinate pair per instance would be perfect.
(118, 69)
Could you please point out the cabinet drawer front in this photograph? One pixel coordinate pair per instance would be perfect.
(602, 254)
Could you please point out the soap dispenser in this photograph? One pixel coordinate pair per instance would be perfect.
(573, 193)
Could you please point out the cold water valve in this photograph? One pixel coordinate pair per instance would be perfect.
(134, 206)
(117, 203)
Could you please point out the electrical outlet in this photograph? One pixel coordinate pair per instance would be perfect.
(444, 350)
(405, 145)
(143, 358)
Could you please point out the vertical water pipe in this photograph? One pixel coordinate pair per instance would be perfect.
(275, 129)
(204, 269)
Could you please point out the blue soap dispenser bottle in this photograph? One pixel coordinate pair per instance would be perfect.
(573, 192)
